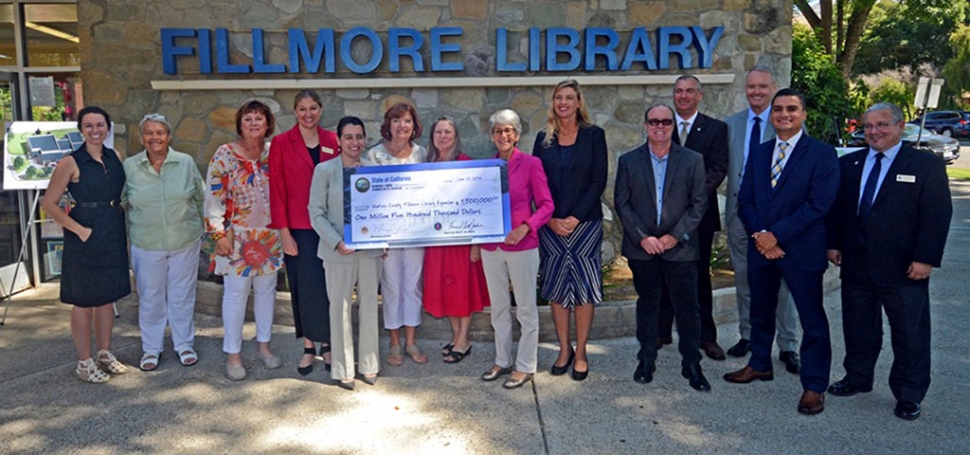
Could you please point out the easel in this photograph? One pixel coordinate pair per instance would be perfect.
(20, 258)
(23, 257)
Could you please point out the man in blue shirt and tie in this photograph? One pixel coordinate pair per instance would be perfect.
(887, 231)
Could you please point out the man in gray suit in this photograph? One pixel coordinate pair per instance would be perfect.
(660, 198)
(745, 127)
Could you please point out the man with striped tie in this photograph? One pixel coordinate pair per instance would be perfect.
(789, 186)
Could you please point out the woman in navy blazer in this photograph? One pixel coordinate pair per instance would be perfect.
(573, 154)
(292, 158)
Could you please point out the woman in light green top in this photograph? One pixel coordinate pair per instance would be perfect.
(165, 194)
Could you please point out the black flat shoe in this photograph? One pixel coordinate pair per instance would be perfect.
(644, 372)
(792, 364)
(740, 349)
(559, 371)
(580, 375)
(907, 410)
(346, 385)
(324, 350)
(696, 378)
(844, 388)
(369, 380)
(309, 368)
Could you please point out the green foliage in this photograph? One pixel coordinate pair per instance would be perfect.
(19, 163)
(816, 76)
(896, 92)
(910, 33)
(957, 70)
(6, 104)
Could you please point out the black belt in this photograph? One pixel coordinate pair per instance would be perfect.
(114, 203)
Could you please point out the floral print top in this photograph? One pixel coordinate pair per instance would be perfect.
(237, 197)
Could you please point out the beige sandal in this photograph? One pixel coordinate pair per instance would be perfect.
(107, 361)
(88, 371)
(416, 354)
(395, 358)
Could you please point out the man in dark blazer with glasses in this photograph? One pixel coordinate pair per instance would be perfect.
(887, 232)
(660, 199)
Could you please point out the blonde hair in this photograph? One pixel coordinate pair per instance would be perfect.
(552, 120)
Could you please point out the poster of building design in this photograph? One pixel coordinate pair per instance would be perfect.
(31, 151)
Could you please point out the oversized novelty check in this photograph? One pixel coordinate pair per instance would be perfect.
(427, 204)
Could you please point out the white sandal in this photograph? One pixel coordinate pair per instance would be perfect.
(149, 361)
(88, 371)
(108, 362)
(188, 357)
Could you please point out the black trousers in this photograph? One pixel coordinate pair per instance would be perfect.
(681, 280)
(308, 288)
(908, 311)
(705, 296)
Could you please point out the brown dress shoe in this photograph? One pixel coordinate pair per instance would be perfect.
(713, 350)
(748, 374)
(811, 403)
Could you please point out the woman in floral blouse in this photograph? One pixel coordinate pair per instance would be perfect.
(247, 253)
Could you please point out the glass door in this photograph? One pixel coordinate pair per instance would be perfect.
(11, 223)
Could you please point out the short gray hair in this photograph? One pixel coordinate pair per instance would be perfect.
(690, 77)
(762, 69)
(157, 118)
(505, 117)
(893, 109)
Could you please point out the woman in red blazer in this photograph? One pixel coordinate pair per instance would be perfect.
(292, 157)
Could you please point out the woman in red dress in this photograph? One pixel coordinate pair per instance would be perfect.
(454, 282)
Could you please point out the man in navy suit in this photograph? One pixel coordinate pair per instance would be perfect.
(887, 231)
(789, 186)
(660, 198)
(709, 137)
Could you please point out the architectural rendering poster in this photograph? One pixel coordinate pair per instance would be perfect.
(31, 151)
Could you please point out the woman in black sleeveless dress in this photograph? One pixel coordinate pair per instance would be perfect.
(94, 270)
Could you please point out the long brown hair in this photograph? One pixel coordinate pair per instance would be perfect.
(552, 120)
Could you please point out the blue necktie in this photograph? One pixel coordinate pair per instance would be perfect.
(755, 138)
(868, 195)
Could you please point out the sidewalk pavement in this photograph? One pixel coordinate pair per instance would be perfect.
(444, 409)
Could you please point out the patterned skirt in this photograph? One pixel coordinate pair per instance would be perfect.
(570, 273)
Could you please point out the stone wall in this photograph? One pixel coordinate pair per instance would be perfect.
(120, 52)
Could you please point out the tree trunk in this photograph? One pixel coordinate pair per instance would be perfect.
(826, 24)
(853, 36)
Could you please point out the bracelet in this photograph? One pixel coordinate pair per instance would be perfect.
(218, 235)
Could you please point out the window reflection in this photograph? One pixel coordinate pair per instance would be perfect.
(8, 55)
(51, 32)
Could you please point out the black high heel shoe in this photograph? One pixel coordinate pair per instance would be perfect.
(309, 368)
(324, 350)
(559, 371)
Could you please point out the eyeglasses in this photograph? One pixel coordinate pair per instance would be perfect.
(503, 131)
(881, 126)
(657, 122)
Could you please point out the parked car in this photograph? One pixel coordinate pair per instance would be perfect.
(947, 148)
(947, 123)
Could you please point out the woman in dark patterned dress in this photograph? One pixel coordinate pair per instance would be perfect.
(573, 154)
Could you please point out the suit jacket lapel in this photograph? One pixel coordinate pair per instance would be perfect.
(902, 162)
(298, 146)
(646, 163)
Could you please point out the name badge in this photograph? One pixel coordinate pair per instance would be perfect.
(327, 150)
(903, 178)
